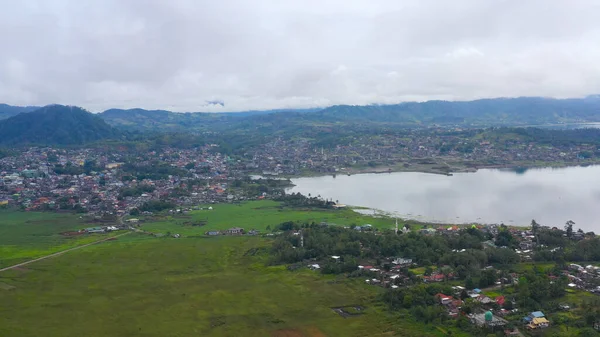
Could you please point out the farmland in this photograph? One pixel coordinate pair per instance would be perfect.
(144, 286)
(25, 236)
(257, 215)
(139, 285)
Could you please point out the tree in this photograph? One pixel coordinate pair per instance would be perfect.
(534, 229)
(469, 283)
(569, 228)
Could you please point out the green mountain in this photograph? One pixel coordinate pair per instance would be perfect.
(479, 113)
(162, 120)
(55, 124)
(484, 112)
(522, 111)
(7, 111)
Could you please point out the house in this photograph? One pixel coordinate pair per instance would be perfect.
(235, 231)
(314, 266)
(536, 314)
(212, 233)
(500, 300)
(434, 278)
(95, 230)
(484, 299)
(444, 299)
(538, 323)
(402, 261)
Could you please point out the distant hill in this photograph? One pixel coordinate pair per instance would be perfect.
(522, 111)
(484, 112)
(7, 111)
(55, 124)
(167, 120)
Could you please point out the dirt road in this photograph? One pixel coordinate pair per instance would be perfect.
(62, 252)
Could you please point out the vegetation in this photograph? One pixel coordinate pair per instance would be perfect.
(139, 285)
(263, 215)
(25, 236)
(214, 286)
(485, 112)
(55, 124)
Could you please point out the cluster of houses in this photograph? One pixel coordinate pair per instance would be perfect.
(392, 278)
(291, 156)
(232, 231)
(102, 229)
(584, 277)
(94, 180)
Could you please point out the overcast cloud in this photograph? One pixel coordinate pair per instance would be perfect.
(191, 55)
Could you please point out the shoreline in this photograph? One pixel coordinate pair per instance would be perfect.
(429, 169)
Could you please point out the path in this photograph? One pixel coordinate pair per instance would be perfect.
(61, 252)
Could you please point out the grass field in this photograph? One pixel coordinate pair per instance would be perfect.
(25, 236)
(143, 286)
(258, 215)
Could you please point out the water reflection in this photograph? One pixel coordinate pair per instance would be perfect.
(551, 196)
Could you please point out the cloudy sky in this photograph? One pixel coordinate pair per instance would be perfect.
(260, 54)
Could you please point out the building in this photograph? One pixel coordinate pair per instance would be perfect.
(235, 231)
(402, 261)
(487, 319)
(536, 320)
(538, 323)
(95, 230)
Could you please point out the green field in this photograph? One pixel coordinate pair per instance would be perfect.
(25, 236)
(144, 286)
(258, 215)
(139, 285)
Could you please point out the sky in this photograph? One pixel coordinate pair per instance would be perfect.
(228, 55)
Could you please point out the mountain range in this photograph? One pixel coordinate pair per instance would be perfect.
(69, 125)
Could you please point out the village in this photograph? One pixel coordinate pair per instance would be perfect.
(495, 304)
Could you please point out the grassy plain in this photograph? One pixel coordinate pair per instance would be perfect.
(25, 236)
(258, 215)
(144, 286)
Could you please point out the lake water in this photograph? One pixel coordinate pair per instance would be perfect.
(550, 196)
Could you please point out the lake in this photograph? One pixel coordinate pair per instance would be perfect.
(551, 196)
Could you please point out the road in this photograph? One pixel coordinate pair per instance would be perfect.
(61, 252)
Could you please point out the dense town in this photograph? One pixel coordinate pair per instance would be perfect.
(102, 180)
(415, 150)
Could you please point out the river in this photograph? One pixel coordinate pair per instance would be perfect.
(551, 196)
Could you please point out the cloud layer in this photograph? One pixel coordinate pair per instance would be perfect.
(185, 55)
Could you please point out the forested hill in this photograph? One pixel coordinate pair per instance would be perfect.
(485, 112)
(520, 111)
(163, 120)
(7, 111)
(55, 124)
